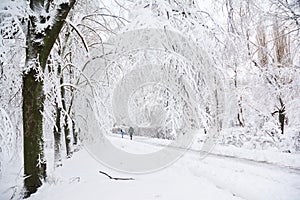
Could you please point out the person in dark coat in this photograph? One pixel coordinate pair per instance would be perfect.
(131, 131)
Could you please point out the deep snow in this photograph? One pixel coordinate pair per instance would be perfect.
(191, 177)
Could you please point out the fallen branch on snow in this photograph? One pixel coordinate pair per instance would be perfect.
(110, 177)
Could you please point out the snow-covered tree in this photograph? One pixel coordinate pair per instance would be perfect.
(44, 23)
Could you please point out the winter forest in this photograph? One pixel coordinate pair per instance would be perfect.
(150, 99)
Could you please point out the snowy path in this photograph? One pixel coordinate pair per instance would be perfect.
(215, 177)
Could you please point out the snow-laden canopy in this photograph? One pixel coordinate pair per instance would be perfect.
(156, 80)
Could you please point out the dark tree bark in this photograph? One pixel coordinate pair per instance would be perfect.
(75, 134)
(240, 117)
(38, 49)
(57, 137)
(34, 165)
(281, 115)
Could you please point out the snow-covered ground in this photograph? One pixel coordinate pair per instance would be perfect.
(191, 177)
(268, 156)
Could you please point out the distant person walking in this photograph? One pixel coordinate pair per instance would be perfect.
(122, 133)
(131, 131)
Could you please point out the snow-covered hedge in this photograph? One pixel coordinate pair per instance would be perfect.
(262, 139)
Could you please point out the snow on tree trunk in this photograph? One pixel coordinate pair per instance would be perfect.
(57, 137)
(34, 165)
(44, 26)
(66, 124)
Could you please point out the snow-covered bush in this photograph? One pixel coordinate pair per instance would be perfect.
(269, 137)
(7, 140)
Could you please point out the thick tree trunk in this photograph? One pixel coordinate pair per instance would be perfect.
(34, 165)
(38, 49)
(33, 106)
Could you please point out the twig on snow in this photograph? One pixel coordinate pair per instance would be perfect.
(114, 178)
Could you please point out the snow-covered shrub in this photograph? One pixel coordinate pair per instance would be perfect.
(290, 141)
(10, 171)
(7, 140)
(268, 137)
